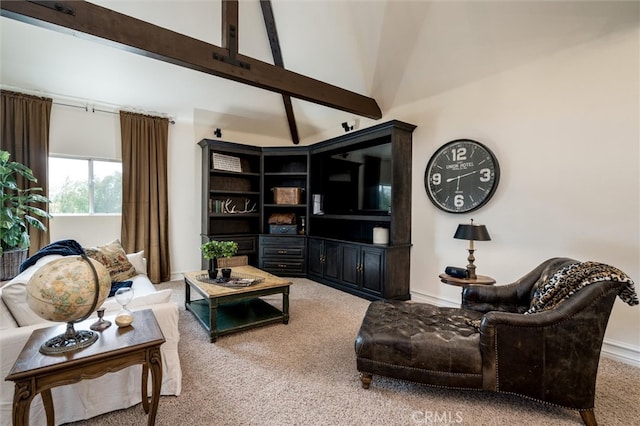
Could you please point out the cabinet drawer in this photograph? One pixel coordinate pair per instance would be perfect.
(288, 252)
(282, 241)
(282, 267)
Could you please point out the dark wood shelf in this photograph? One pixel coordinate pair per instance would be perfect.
(230, 173)
(357, 217)
(288, 206)
(224, 191)
(233, 215)
(287, 174)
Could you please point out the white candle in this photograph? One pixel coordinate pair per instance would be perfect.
(470, 244)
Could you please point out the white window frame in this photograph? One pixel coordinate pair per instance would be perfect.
(91, 185)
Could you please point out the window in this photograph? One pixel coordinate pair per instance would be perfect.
(84, 186)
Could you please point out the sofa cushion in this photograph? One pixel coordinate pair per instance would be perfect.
(14, 294)
(6, 319)
(138, 262)
(114, 258)
(148, 299)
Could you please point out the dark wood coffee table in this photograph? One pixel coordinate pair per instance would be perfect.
(115, 349)
(223, 310)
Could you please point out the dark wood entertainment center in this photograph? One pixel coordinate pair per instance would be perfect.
(364, 178)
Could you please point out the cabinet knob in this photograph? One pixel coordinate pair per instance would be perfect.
(282, 252)
(282, 266)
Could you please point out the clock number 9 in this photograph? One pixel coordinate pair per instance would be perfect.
(459, 154)
(485, 175)
(436, 178)
(458, 200)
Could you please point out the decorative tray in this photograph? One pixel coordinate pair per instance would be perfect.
(235, 281)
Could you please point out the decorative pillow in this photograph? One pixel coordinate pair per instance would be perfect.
(571, 278)
(114, 258)
(138, 262)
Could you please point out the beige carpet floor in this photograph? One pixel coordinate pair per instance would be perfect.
(304, 373)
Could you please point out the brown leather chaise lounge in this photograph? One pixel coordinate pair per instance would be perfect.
(549, 354)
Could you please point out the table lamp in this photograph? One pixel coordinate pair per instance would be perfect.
(472, 233)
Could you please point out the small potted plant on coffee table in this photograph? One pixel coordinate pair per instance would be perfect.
(212, 250)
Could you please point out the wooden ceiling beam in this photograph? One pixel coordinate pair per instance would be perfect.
(131, 34)
(274, 42)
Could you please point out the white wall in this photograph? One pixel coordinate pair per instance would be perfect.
(565, 130)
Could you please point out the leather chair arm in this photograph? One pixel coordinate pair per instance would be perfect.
(551, 355)
(504, 298)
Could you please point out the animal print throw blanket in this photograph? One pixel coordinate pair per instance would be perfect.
(571, 278)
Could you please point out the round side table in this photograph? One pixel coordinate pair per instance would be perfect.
(461, 282)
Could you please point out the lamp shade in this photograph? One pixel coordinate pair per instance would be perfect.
(472, 232)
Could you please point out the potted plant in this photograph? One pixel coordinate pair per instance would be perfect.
(213, 250)
(17, 214)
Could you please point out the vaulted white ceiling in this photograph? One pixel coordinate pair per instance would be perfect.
(394, 51)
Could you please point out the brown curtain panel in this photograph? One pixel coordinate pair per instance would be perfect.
(145, 205)
(25, 135)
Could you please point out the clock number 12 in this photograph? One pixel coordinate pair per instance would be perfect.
(459, 154)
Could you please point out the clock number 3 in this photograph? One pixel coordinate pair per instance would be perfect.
(485, 175)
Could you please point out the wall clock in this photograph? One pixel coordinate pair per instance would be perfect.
(461, 176)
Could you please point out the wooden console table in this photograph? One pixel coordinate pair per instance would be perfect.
(115, 349)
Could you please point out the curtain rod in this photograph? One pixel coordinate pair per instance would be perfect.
(94, 109)
(86, 103)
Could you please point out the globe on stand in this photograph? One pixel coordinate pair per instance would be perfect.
(124, 318)
(68, 290)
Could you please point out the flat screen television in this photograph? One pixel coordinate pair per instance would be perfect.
(358, 181)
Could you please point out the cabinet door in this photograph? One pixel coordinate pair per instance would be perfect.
(315, 258)
(350, 264)
(372, 268)
(332, 260)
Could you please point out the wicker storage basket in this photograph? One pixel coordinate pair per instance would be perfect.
(284, 195)
(10, 263)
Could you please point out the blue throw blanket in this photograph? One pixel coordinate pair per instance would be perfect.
(62, 247)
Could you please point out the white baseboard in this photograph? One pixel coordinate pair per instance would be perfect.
(416, 296)
(612, 349)
(621, 351)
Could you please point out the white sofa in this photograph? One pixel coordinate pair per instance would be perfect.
(87, 398)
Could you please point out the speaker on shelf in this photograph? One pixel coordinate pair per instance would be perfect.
(456, 272)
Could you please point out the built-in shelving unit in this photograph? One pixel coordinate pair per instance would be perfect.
(283, 248)
(364, 181)
(231, 199)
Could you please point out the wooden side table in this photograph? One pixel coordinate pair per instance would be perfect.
(461, 282)
(115, 349)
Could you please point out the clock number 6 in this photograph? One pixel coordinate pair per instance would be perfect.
(458, 200)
